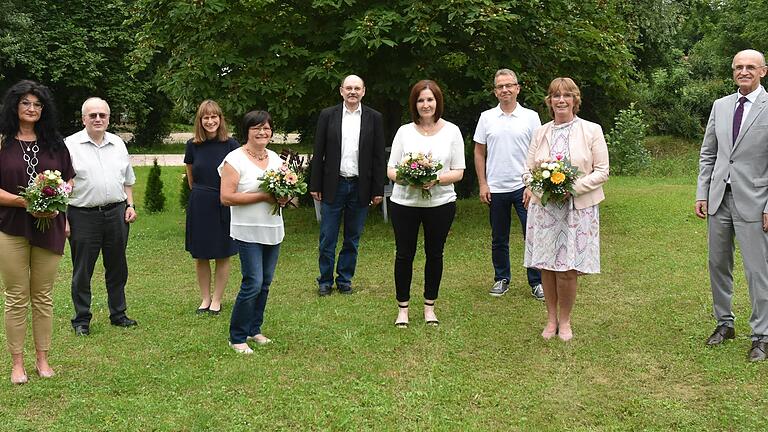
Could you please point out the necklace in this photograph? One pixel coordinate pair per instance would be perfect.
(427, 131)
(30, 159)
(260, 157)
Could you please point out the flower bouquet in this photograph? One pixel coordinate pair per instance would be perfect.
(288, 181)
(418, 169)
(553, 180)
(47, 193)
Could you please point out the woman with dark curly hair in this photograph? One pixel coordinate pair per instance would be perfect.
(29, 145)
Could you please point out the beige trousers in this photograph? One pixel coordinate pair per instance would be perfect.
(28, 274)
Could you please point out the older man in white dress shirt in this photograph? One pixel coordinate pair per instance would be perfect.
(99, 214)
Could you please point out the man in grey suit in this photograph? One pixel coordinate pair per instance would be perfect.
(732, 192)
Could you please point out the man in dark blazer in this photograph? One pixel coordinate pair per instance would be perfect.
(732, 193)
(348, 172)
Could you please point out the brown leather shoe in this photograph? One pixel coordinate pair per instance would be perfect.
(758, 350)
(721, 333)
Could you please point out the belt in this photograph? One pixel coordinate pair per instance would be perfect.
(102, 208)
(350, 178)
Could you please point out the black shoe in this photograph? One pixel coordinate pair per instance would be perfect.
(758, 350)
(721, 333)
(201, 311)
(82, 330)
(124, 322)
(324, 291)
(214, 312)
(345, 289)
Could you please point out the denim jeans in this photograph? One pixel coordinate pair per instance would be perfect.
(257, 264)
(345, 205)
(501, 218)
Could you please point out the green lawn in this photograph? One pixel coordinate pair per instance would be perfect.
(637, 362)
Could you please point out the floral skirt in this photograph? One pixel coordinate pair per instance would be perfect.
(560, 238)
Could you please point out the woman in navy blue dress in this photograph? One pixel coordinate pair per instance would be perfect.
(207, 220)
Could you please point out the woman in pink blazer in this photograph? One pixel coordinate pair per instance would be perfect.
(563, 238)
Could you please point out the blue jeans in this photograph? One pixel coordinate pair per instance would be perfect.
(257, 264)
(501, 219)
(345, 205)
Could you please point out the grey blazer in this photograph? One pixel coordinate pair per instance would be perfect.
(745, 161)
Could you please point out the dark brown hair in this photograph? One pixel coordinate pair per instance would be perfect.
(416, 90)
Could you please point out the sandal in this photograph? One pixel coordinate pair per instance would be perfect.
(402, 324)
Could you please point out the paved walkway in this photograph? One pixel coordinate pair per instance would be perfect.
(162, 159)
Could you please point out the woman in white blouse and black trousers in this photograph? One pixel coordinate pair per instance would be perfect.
(428, 133)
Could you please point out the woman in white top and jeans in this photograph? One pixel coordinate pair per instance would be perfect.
(257, 232)
(428, 133)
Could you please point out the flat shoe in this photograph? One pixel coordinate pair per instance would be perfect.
(264, 341)
(214, 312)
(246, 350)
(21, 380)
(42, 374)
(201, 311)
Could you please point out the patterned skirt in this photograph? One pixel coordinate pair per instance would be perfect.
(560, 238)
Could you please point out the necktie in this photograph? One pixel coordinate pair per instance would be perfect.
(737, 116)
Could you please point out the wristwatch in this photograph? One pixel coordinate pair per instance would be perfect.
(133, 206)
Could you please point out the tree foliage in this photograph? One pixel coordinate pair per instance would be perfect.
(289, 56)
(79, 49)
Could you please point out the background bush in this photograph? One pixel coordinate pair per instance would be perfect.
(154, 199)
(625, 142)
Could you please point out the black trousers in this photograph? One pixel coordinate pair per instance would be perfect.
(406, 221)
(94, 232)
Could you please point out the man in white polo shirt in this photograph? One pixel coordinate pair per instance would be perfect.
(501, 145)
(99, 214)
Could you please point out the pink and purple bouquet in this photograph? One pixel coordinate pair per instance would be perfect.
(418, 169)
(288, 181)
(47, 193)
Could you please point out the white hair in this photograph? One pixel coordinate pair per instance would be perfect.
(91, 100)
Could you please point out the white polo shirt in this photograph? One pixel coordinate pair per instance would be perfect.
(506, 137)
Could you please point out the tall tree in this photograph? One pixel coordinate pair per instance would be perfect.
(289, 56)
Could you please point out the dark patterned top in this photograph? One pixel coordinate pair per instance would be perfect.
(16, 221)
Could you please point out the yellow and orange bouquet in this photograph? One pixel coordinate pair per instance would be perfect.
(553, 180)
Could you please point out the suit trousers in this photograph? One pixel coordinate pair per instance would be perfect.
(753, 241)
(93, 232)
(28, 274)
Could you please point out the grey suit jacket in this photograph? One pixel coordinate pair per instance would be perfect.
(745, 161)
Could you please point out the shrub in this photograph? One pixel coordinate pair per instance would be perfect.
(625, 142)
(154, 199)
(184, 192)
(467, 187)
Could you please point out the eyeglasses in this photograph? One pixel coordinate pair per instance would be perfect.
(562, 95)
(507, 86)
(93, 116)
(748, 68)
(37, 106)
(260, 129)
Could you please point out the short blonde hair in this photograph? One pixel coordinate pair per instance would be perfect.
(563, 85)
(209, 107)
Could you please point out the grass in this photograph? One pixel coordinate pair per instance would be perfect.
(637, 362)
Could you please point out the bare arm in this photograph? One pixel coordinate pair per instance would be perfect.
(130, 212)
(480, 154)
(190, 180)
(229, 194)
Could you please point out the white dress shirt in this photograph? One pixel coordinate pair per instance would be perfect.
(350, 140)
(101, 171)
